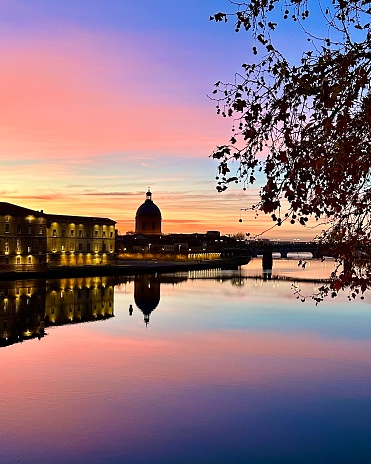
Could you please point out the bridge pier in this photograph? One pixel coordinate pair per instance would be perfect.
(267, 260)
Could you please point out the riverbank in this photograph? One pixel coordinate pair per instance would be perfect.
(125, 268)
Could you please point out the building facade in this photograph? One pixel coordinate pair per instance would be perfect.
(33, 240)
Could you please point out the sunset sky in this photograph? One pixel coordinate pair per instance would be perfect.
(101, 99)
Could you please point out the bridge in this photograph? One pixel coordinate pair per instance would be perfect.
(256, 248)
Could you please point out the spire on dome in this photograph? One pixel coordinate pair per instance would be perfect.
(149, 195)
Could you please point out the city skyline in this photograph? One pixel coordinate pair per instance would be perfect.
(101, 102)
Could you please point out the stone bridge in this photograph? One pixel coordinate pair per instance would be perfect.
(283, 248)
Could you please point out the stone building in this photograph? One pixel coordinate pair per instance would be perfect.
(23, 241)
(80, 240)
(31, 240)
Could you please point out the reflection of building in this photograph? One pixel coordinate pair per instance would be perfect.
(22, 309)
(27, 307)
(79, 300)
(31, 239)
(146, 294)
(148, 217)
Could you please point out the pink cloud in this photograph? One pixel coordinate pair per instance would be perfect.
(75, 96)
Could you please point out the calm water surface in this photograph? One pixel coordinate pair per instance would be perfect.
(210, 367)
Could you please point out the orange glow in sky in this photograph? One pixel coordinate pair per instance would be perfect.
(95, 111)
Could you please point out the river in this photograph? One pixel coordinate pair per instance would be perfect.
(200, 367)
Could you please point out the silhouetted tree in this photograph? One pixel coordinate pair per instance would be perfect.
(311, 121)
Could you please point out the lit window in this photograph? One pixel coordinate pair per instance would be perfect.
(29, 249)
(104, 234)
(72, 232)
(29, 260)
(95, 233)
(96, 247)
(54, 232)
(40, 230)
(18, 260)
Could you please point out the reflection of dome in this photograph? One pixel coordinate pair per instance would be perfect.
(148, 217)
(146, 295)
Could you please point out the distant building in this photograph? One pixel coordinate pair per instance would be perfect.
(148, 217)
(31, 240)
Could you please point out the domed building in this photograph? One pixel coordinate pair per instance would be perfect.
(148, 217)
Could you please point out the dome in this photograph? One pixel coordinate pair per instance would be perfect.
(148, 217)
(148, 208)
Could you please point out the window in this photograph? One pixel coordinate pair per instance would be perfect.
(29, 260)
(19, 229)
(62, 247)
(29, 249)
(80, 246)
(7, 228)
(80, 233)
(29, 230)
(7, 218)
(40, 230)
(111, 234)
(96, 246)
(6, 249)
(71, 246)
(111, 247)
(95, 233)
(18, 260)
(72, 232)
(54, 232)
(18, 242)
(88, 247)
(63, 232)
(104, 234)
(54, 246)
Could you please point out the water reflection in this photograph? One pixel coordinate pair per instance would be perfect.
(28, 307)
(233, 369)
